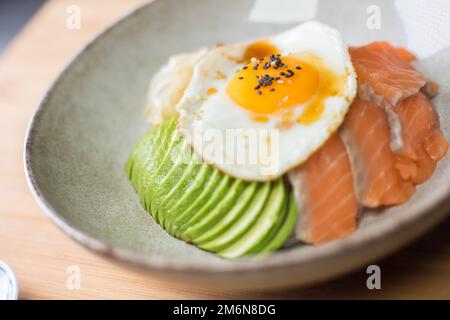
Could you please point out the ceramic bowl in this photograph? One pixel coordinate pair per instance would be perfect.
(89, 121)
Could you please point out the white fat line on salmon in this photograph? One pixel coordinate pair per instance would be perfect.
(357, 168)
(366, 92)
(396, 144)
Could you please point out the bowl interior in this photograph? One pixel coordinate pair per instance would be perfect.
(90, 121)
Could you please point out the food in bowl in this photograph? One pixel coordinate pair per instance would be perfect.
(284, 138)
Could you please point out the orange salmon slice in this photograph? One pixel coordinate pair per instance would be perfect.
(423, 142)
(324, 188)
(385, 75)
(406, 54)
(366, 134)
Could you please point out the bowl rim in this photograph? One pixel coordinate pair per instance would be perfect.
(339, 249)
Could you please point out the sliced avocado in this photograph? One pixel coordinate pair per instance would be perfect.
(138, 156)
(180, 188)
(152, 161)
(245, 221)
(198, 203)
(285, 231)
(264, 224)
(167, 174)
(162, 135)
(286, 228)
(235, 213)
(164, 180)
(142, 159)
(163, 159)
(278, 224)
(223, 188)
(184, 201)
(214, 213)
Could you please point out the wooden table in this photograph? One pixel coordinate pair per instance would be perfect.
(40, 254)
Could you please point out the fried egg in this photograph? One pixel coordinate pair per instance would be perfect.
(255, 110)
(168, 84)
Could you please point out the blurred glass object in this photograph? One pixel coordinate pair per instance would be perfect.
(9, 289)
(13, 15)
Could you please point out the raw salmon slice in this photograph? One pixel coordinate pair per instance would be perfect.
(324, 189)
(367, 136)
(423, 142)
(385, 75)
(431, 88)
(406, 54)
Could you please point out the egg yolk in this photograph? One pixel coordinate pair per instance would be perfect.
(273, 83)
(259, 49)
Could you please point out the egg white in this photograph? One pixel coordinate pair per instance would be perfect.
(168, 84)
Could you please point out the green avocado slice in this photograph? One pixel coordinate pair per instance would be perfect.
(179, 205)
(224, 186)
(163, 159)
(251, 216)
(238, 209)
(141, 162)
(163, 133)
(209, 215)
(244, 222)
(164, 180)
(179, 189)
(286, 229)
(212, 186)
(141, 152)
(168, 174)
(264, 224)
(153, 162)
(278, 224)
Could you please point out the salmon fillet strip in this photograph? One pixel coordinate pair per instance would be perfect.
(424, 144)
(324, 187)
(386, 72)
(366, 134)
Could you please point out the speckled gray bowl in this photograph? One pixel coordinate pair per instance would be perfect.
(89, 121)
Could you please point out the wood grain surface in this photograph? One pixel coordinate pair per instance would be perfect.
(40, 254)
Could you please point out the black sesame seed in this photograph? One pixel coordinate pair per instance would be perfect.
(258, 93)
(290, 73)
(282, 74)
(257, 87)
(298, 67)
(240, 78)
(272, 89)
(245, 67)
